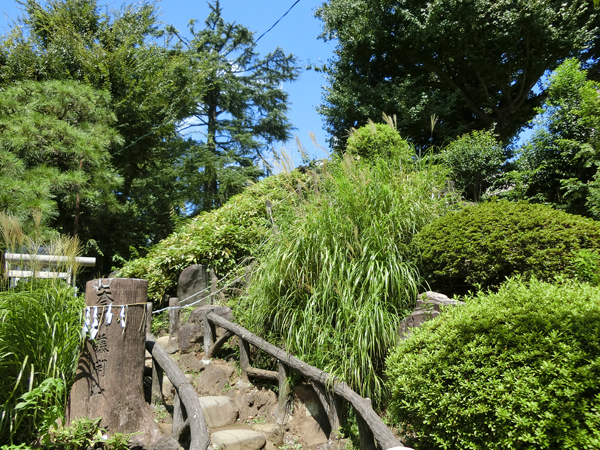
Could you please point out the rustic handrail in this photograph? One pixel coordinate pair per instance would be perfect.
(328, 387)
(187, 413)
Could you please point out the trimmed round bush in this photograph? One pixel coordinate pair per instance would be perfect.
(516, 369)
(481, 245)
(377, 140)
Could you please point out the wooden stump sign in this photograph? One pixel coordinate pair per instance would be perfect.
(110, 373)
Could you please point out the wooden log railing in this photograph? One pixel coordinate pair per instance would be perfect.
(332, 392)
(188, 418)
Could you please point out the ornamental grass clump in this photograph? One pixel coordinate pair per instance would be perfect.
(40, 336)
(336, 281)
(516, 369)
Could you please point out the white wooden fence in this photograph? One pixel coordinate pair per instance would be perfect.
(21, 265)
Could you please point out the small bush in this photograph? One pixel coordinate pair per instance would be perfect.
(475, 160)
(376, 140)
(480, 246)
(517, 369)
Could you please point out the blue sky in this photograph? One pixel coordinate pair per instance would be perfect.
(296, 33)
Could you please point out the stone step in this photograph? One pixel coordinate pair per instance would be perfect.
(219, 411)
(238, 439)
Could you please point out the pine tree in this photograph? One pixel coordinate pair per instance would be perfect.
(242, 114)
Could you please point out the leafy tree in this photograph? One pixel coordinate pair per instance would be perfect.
(152, 87)
(472, 64)
(559, 164)
(242, 114)
(54, 141)
(475, 160)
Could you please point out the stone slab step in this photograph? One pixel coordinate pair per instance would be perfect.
(238, 440)
(219, 411)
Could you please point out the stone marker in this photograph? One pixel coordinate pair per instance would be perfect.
(192, 280)
(109, 378)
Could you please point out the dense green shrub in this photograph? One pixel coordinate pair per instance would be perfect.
(475, 160)
(377, 140)
(338, 279)
(40, 335)
(219, 239)
(517, 369)
(480, 246)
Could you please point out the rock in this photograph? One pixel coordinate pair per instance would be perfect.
(435, 300)
(165, 342)
(193, 285)
(309, 419)
(256, 403)
(165, 444)
(218, 411)
(214, 379)
(429, 305)
(238, 440)
(197, 315)
(272, 432)
(190, 334)
(193, 331)
(189, 362)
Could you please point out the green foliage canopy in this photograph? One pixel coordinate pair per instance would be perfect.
(219, 239)
(472, 63)
(242, 113)
(517, 369)
(376, 140)
(475, 160)
(559, 165)
(54, 147)
(152, 86)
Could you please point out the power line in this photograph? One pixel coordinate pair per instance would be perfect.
(273, 26)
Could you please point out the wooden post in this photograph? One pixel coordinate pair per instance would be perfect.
(213, 286)
(109, 378)
(365, 435)
(244, 359)
(332, 404)
(284, 393)
(178, 416)
(210, 334)
(149, 317)
(174, 321)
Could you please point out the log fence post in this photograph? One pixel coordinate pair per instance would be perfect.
(365, 435)
(244, 359)
(332, 404)
(109, 382)
(178, 415)
(210, 333)
(174, 310)
(213, 286)
(284, 392)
